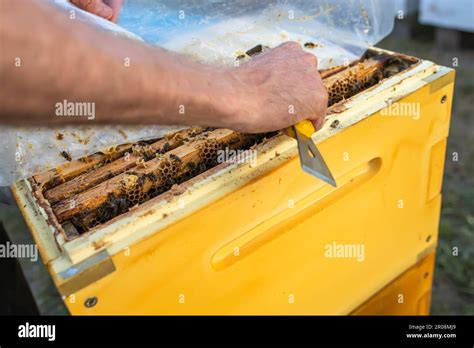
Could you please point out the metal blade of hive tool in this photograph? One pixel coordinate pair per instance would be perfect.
(311, 159)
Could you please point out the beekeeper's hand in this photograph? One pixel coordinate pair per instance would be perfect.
(278, 88)
(108, 9)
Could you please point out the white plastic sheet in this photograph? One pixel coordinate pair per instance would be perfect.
(217, 31)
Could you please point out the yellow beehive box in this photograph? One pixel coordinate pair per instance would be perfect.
(267, 238)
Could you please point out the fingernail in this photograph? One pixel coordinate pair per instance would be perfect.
(106, 12)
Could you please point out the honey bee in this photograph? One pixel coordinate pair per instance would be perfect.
(66, 155)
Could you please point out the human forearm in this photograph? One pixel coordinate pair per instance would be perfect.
(129, 82)
(48, 58)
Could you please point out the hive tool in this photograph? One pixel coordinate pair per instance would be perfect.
(311, 159)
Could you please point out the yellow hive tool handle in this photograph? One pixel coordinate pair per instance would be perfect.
(305, 127)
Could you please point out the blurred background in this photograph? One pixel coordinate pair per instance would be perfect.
(438, 30)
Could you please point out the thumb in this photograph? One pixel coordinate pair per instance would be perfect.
(96, 7)
(116, 6)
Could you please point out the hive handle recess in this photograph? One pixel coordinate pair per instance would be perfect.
(287, 219)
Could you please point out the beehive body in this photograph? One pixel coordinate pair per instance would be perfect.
(252, 239)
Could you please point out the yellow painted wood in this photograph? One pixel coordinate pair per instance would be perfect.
(409, 294)
(263, 248)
